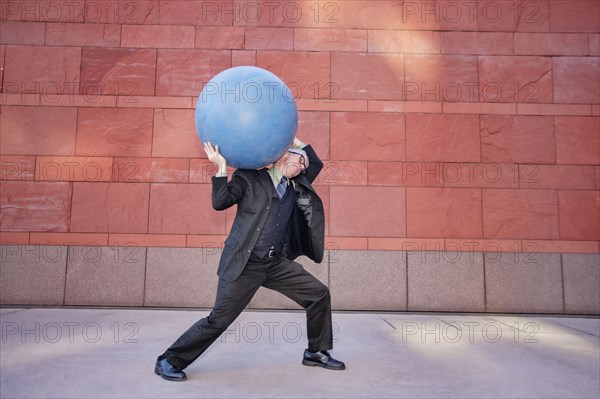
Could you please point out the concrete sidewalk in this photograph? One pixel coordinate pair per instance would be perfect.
(110, 353)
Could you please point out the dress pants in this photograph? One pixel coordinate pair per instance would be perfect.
(279, 274)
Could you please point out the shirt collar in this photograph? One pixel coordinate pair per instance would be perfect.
(276, 175)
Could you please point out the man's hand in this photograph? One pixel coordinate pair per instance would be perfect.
(213, 154)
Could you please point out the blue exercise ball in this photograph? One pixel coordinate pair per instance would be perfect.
(250, 114)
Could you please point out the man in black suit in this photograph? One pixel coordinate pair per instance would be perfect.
(279, 217)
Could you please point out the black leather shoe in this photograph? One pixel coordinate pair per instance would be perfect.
(323, 359)
(169, 372)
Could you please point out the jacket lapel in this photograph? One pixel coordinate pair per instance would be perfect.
(265, 181)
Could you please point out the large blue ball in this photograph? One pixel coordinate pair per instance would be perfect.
(250, 113)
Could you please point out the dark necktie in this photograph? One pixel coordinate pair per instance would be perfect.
(282, 186)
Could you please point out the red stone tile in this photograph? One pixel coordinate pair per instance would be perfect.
(488, 175)
(185, 72)
(11, 96)
(357, 211)
(576, 79)
(184, 209)
(26, 33)
(564, 246)
(566, 177)
(202, 171)
(157, 36)
(54, 168)
(175, 134)
(443, 212)
(579, 215)
(515, 79)
(511, 16)
(204, 12)
(594, 41)
(110, 208)
(306, 73)
(334, 244)
(332, 105)
(97, 35)
(580, 16)
(553, 109)
(577, 140)
(597, 177)
(35, 206)
(425, 174)
(122, 12)
(114, 132)
(367, 136)
(367, 76)
(480, 108)
(313, 129)
(132, 101)
(243, 58)
(551, 44)
(35, 69)
(306, 39)
(441, 78)
(91, 99)
(269, 39)
(117, 71)
(442, 138)
(487, 246)
(43, 10)
(340, 173)
(520, 214)
(405, 244)
(480, 43)
(219, 37)
(88, 239)
(404, 106)
(147, 240)
(519, 139)
(397, 41)
(13, 238)
(2, 52)
(205, 241)
(160, 170)
(38, 130)
(17, 167)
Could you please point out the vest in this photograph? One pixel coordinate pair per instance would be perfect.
(272, 234)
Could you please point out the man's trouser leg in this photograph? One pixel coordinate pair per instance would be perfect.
(290, 279)
(232, 298)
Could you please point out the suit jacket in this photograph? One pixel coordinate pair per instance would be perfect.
(252, 190)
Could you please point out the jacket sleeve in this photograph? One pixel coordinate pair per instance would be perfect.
(314, 165)
(226, 194)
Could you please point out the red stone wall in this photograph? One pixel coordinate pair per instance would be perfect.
(443, 124)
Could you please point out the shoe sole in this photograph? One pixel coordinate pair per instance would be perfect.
(311, 363)
(157, 372)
